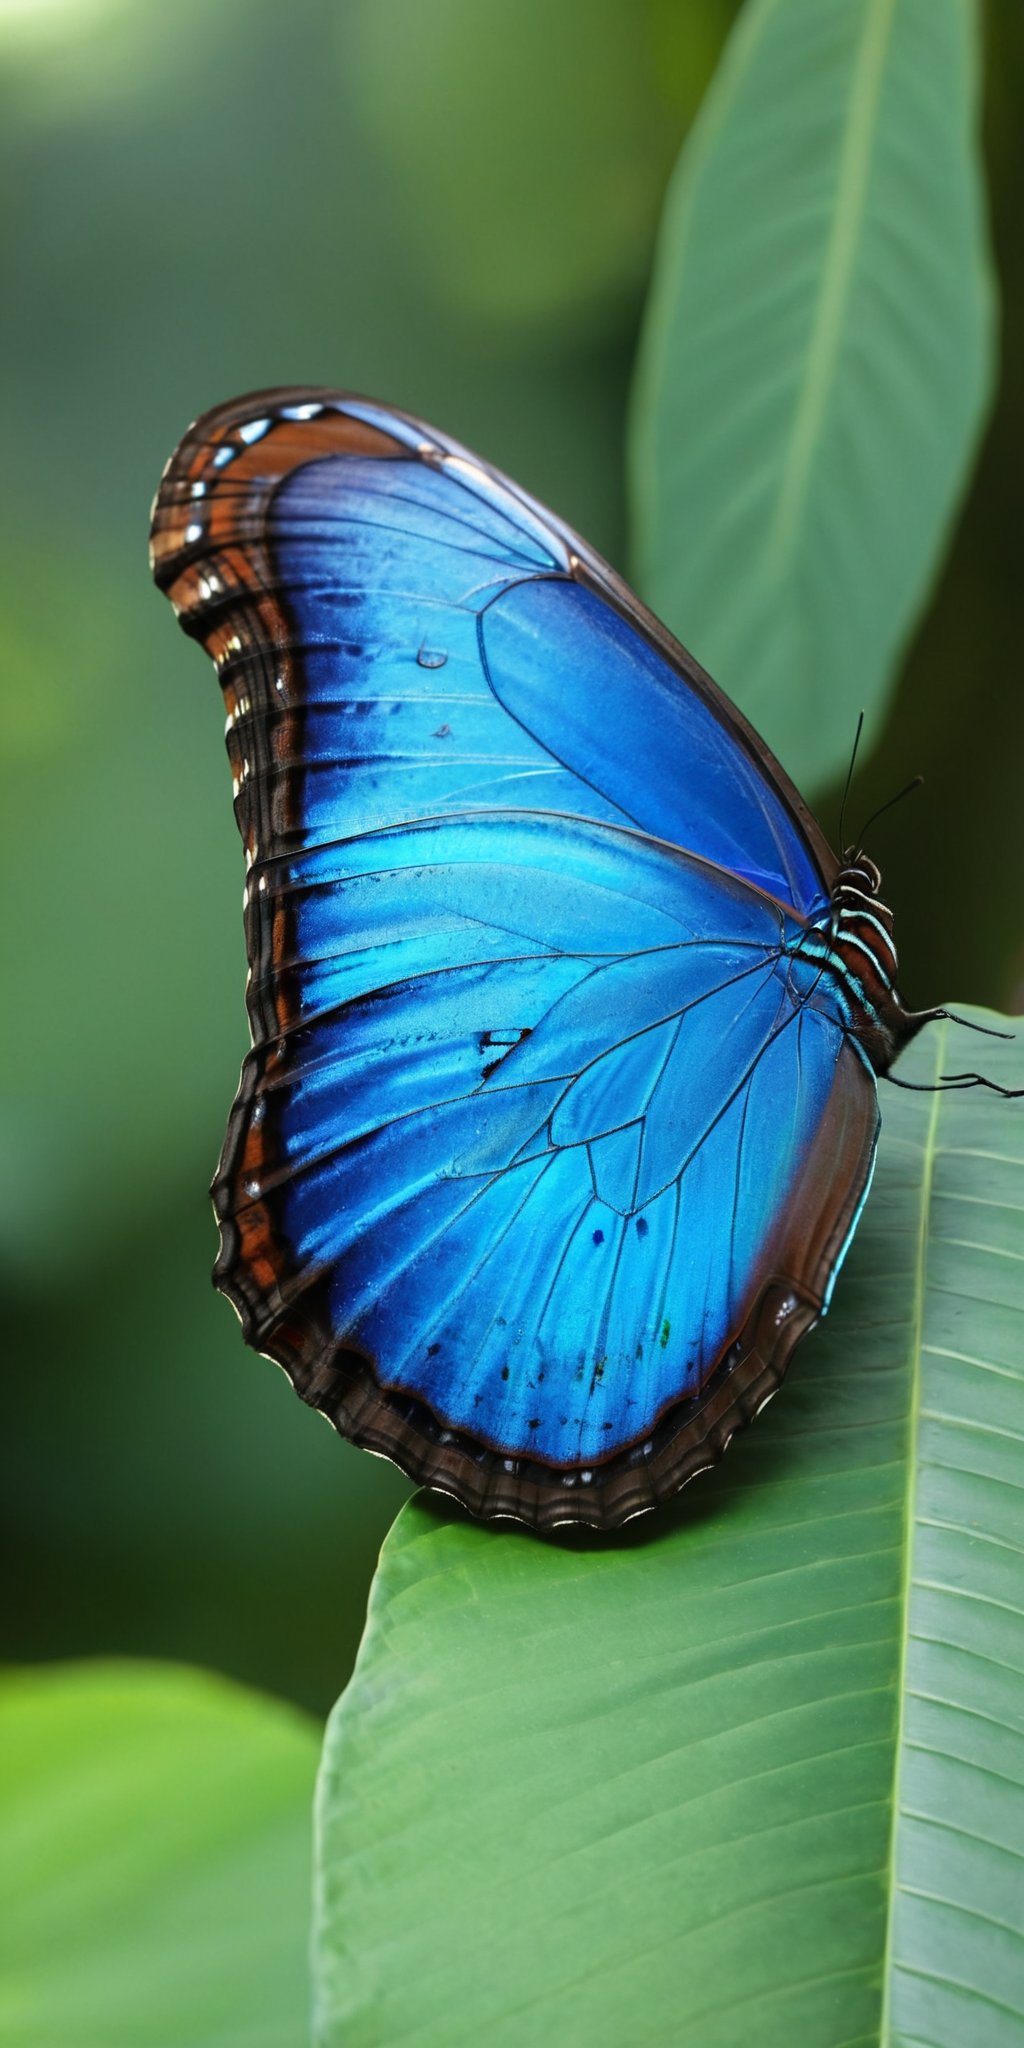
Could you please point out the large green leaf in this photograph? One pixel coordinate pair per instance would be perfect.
(816, 358)
(155, 1881)
(754, 1773)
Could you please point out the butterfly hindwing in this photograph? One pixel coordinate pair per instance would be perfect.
(536, 1087)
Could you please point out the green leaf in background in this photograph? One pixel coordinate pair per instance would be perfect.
(756, 1773)
(815, 361)
(155, 1883)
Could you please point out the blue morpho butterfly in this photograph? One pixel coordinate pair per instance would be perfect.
(560, 1110)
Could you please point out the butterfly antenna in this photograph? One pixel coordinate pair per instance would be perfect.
(849, 779)
(916, 782)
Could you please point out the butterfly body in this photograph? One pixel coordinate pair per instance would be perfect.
(560, 1109)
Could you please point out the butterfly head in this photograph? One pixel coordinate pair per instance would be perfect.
(859, 872)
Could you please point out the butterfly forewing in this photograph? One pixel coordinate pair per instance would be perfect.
(542, 1158)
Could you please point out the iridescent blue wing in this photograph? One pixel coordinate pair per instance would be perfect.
(548, 1146)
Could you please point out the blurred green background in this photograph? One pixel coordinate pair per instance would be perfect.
(451, 206)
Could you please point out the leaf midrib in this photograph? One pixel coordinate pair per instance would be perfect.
(909, 1525)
